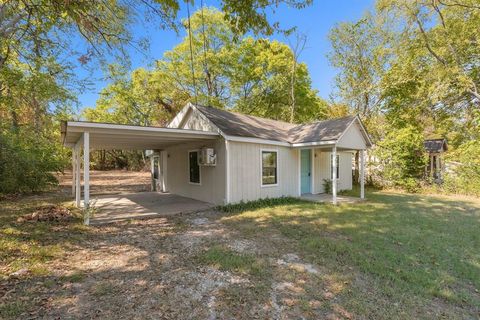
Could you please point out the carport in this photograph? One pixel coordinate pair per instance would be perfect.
(88, 136)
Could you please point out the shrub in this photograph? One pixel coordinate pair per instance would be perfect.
(28, 161)
(327, 186)
(402, 158)
(257, 204)
(464, 178)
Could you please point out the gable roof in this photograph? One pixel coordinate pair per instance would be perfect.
(435, 145)
(241, 125)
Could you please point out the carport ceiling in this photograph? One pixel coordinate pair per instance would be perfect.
(117, 136)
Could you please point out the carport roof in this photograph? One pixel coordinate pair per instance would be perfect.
(118, 136)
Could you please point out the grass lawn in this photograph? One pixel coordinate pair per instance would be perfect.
(395, 256)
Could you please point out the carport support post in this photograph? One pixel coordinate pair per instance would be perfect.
(77, 176)
(334, 174)
(74, 158)
(362, 174)
(86, 170)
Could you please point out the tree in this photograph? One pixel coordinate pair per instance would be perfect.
(402, 157)
(38, 85)
(248, 75)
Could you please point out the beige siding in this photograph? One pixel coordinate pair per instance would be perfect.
(190, 118)
(322, 165)
(245, 172)
(212, 179)
(352, 138)
(197, 121)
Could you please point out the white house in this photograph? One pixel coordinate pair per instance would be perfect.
(224, 157)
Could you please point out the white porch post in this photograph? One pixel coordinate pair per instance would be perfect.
(86, 169)
(362, 174)
(74, 158)
(334, 174)
(77, 175)
(152, 172)
(163, 170)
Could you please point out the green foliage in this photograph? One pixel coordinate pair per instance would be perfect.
(257, 204)
(463, 176)
(327, 186)
(248, 75)
(27, 163)
(402, 157)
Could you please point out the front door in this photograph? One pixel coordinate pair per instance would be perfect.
(305, 170)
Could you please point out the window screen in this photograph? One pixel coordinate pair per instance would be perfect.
(269, 167)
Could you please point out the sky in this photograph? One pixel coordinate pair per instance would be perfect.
(314, 21)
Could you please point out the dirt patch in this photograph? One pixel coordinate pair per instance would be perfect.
(47, 213)
(110, 182)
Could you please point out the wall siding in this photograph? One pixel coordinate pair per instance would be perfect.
(245, 172)
(212, 179)
(352, 138)
(322, 163)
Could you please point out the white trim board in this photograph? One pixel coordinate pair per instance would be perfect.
(262, 150)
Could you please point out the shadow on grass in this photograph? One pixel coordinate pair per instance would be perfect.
(407, 246)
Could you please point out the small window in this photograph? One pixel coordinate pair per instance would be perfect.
(269, 168)
(193, 166)
(331, 166)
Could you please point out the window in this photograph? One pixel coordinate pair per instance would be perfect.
(331, 166)
(194, 168)
(269, 168)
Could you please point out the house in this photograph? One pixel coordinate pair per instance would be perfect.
(435, 149)
(224, 157)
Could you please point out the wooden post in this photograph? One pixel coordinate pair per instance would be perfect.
(77, 175)
(86, 170)
(362, 174)
(334, 174)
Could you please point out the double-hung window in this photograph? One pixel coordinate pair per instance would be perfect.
(269, 168)
(331, 166)
(193, 167)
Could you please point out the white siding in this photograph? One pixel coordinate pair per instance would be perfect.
(245, 172)
(352, 138)
(212, 179)
(322, 163)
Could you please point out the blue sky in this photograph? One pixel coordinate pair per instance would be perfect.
(315, 21)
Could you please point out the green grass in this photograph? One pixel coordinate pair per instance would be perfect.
(411, 250)
(227, 260)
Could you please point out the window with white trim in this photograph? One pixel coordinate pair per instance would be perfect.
(193, 167)
(331, 166)
(269, 168)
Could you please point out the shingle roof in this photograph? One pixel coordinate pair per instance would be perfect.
(241, 125)
(435, 145)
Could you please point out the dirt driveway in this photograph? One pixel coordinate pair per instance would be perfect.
(183, 267)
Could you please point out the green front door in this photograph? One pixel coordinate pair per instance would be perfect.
(305, 170)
